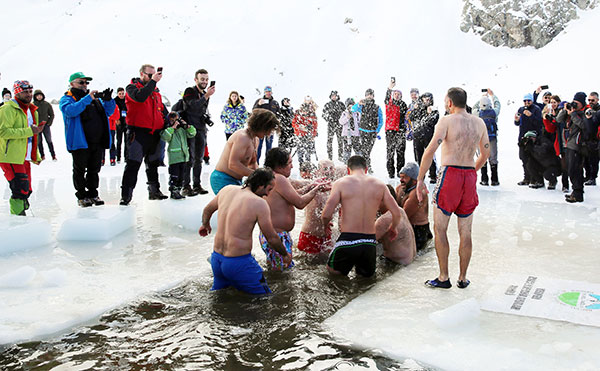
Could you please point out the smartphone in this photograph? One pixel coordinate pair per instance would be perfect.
(212, 83)
(159, 69)
(393, 79)
(484, 90)
(544, 87)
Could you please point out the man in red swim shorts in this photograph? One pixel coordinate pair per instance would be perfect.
(459, 134)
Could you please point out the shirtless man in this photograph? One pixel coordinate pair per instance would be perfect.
(239, 155)
(403, 249)
(360, 196)
(239, 211)
(313, 238)
(283, 200)
(456, 192)
(417, 211)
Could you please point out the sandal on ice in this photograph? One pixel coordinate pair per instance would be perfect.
(437, 284)
(462, 284)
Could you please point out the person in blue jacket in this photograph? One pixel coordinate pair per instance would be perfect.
(370, 124)
(527, 118)
(87, 133)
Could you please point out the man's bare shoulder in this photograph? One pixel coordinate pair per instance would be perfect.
(240, 137)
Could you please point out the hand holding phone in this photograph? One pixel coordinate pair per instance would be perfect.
(544, 87)
(212, 83)
(159, 69)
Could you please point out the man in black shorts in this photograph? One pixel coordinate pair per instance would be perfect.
(360, 196)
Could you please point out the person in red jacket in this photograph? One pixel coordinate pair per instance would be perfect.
(305, 128)
(395, 110)
(145, 120)
(112, 121)
(557, 132)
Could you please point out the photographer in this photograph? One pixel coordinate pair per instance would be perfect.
(195, 101)
(87, 132)
(527, 118)
(545, 98)
(574, 117)
(287, 140)
(556, 132)
(590, 163)
(269, 103)
(424, 117)
(542, 161)
(177, 135)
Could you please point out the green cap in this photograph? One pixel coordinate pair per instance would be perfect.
(79, 75)
(530, 134)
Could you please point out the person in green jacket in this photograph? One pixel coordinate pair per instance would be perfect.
(179, 154)
(19, 124)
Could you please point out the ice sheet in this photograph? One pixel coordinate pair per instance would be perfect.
(97, 223)
(19, 233)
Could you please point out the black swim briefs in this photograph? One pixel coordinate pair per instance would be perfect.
(354, 249)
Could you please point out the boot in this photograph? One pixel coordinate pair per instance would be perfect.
(494, 168)
(199, 190)
(552, 184)
(154, 192)
(188, 191)
(17, 206)
(176, 194)
(84, 202)
(484, 176)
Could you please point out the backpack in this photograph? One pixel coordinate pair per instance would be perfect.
(489, 117)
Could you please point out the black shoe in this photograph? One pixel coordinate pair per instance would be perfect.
(484, 183)
(85, 202)
(199, 190)
(391, 175)
(156, 195)
(176, 195)
(97, 201)
(124, 202)
(188, 191)
(536, 185)
(591, 182)
(523, 182)
(571, 199)
(495, 183)
(552, 185)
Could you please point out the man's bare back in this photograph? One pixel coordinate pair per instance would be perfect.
(463, 134)
(238, 158)
(403, 249)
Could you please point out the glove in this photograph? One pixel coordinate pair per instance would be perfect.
(107, 94)
(378, 137)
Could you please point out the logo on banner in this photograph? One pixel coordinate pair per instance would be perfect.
(582, 300)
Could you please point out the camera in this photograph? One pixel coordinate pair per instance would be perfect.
(549, 117)
(207, 120)
(572, 106)
(99, 95)
(182, 124)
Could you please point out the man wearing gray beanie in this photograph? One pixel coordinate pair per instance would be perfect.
(417, 212)
(488, 109)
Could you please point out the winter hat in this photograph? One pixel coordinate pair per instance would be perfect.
(580, 97)
(370, 92)
(485, 102)
(562, 104)
(283, 100)
(411, 169)
(21, 85)
(349, 102)
(79, 75)
(397, 90)
(6, 91)
(268, 88)
(547, 94)
(333, 92)
(528, 96)
(529, 134)
(414, 90)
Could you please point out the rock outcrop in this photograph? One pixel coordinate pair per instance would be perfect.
(516, 23)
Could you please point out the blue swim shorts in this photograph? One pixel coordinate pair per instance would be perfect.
(242, 272)
(219, 179)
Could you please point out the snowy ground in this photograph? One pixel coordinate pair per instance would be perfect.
(50, 288)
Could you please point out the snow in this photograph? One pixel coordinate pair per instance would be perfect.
(299, 48)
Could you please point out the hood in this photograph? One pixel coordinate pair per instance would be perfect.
(38, 91)
(427, 95)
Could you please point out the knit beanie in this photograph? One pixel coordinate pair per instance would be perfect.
(580, 97)
(411, 169)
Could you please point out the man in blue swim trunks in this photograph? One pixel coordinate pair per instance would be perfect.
(459, 135)
(361, 196)
(239, 155)
(283, 201)
(240, 208)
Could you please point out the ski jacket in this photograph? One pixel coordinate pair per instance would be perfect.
(234, 117)
(350, 122)
(371, 117)
(423, 123)
(114, 118)
(574, 124)
(305, 124)
(286, 115)
(531, 123)
(144, 105)
(72, 109)
(15, 133)
(271, 105)
(332, 111)
(178, 145)
(395, 110)
(195, 108)
(45, 111)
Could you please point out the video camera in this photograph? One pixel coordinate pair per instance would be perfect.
(572, 106)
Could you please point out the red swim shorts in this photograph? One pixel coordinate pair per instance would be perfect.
(313, 244)
(456, 191)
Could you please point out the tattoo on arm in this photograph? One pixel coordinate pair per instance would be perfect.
(487, 145)
(439, 141)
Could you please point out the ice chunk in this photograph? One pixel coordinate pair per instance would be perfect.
(23, 232)
(457, 315)
(54, 277)
(97, 223)
(20, 277)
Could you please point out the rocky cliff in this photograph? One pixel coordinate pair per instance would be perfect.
(517, 24)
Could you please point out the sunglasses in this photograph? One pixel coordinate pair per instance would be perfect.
(26, 87)
(527, 100)
(83, 82)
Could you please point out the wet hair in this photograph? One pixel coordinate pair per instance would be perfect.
(262, 120)
(201, 71)
(458, 97)
(357, 162)
(120, 89)
(276, 158)
(260, 177)
(230, 94)
(555, 98)
(144, 66)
